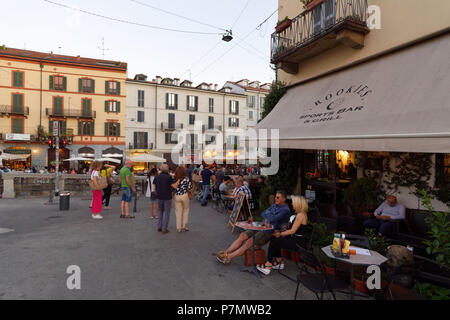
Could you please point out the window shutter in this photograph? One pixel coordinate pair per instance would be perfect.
(229, 122)
(118, 88)
(230, 107)
(106, 87)
(106, 106)
(167, 138)
(118, 130)
(64, 83)
(15, 80)
(187, 102)
(196, 103)
(51, 83)
(64, 127)
(17, 125)
(92, 86)
(237, 122)
(237, 107)
(118, 106)
(93, 128)
(176, 101)
(167, 100)
(145, 140)
(106, 129)
(135, 140)
(80, 85)
(50, 127)
(80, 124)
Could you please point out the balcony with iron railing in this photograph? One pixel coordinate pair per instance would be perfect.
(14, 110)
(328, 25)
(166, 126)
(50, 112)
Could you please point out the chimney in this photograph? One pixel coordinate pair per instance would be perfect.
(78, 58)
(158, 79)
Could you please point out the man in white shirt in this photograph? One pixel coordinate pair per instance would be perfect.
(388, 212)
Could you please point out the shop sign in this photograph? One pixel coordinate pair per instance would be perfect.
(18, 137)
(336, 105)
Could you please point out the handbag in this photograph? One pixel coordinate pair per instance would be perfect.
(102, 184)
(190, 193)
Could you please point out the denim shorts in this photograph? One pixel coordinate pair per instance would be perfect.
(127, 195)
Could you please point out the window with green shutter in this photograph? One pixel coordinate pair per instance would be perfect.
(106, 87)
(86, 108)
(58, 83)
(106, 129)
(17, 125)
(57, 106)
(18, 79)
(17, 106)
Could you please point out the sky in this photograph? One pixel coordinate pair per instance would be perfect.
(41, 26)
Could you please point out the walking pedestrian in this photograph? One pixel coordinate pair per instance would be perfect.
(151, 192)
(96, 194)
(182, 201)
(106, 173)
(127, 183)
(206, 183)
(163, 185)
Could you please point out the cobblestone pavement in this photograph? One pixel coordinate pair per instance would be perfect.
(121, 258)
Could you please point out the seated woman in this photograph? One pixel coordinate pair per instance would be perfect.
(288, 236)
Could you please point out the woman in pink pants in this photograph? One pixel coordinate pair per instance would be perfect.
(96, 194)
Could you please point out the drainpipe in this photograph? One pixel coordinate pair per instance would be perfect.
(40, 97)
(156, 116)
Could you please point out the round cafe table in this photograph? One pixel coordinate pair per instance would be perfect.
(251, 226)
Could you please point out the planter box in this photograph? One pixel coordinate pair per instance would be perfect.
(313, 4)
(283, 26)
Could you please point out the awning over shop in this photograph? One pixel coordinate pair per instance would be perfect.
(112, 153)
(86, 152)
(399, 102)
(148, 158)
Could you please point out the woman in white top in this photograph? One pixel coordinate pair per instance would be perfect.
(151, 194)
(96, 194)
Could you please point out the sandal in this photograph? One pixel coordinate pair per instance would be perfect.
(185, 229)
(220, 253)
(224, 259)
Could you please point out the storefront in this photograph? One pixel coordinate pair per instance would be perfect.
(17, 158)
(383, 105)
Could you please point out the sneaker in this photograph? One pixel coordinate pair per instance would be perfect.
(279, 266)
(264, 270)
(97, 216)
(223, 259)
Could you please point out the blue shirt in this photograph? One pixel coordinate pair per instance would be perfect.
(206, 177)
(277, 215)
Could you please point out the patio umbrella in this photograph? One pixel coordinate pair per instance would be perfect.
(147, 158)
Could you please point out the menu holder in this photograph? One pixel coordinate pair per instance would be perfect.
(338, 254)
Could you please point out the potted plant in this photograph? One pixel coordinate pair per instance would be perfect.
(283, 24)
(311, 4)
(364, 195)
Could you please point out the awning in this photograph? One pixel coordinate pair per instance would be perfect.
(398, 102)
(112, 153)
(75, 159)
(148, 158)
(86, 152)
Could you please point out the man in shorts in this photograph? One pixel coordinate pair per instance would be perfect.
(126, 177)
(277, 215)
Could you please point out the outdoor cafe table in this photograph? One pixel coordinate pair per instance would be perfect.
(251, 226)
(356, 259)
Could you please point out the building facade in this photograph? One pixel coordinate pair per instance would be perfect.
(157, 110)
(255, 94)
(360, 77)
(86, 97)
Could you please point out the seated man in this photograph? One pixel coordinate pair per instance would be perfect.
(387, 212)
(223, 188)
(241, 187)
(277, 215)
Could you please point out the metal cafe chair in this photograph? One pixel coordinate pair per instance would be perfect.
(299, 264)
(320, 281)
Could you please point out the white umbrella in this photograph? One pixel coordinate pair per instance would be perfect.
(78, 159)
(147, 158)
(108, 159)
(112, 155)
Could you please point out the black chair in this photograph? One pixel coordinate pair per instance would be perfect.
(358, 241)
(318, 282)
(300, 265)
